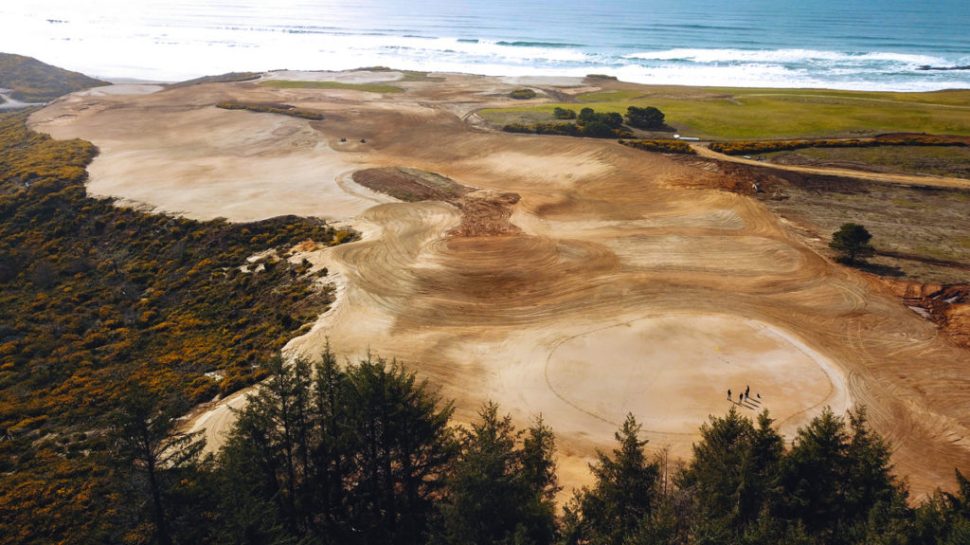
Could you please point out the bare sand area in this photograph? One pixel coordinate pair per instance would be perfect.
(615, 288)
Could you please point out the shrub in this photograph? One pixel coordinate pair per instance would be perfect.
(610, 119)
(852, 242)
(519, 128)
(522, 94)
(662, 146)
(272, 108)
(648, 118)
(598, 129)
(565, 129)
(563, 113)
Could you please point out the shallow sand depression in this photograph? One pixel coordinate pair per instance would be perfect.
(673, 371)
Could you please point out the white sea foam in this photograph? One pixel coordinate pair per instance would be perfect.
(787, 56)
(161, 41)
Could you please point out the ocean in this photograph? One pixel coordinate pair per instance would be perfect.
(896, 45)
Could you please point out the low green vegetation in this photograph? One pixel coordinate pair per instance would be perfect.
(93, 296)
(272, 108)
(419, 77)
(522, 94)
(732, 113)
(741, 147)
(563, 113)
(648, 119)
(33, 81)
(365, 453)
(587, 123)
(368, 87)
(662, 146)
(229, 77)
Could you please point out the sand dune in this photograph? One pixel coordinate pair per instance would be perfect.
(623, 290)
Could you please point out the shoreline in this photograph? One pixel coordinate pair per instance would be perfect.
(536, 78)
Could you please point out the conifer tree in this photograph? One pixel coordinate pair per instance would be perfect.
(623, 494)
(157, 462)
(492, 490)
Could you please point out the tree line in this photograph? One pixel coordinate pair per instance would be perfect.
(366, 453)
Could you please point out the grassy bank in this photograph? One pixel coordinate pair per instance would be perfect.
(729, 113)
(368, 87)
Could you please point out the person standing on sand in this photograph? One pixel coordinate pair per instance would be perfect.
(729, 393)
(747, 390)
(741, 397)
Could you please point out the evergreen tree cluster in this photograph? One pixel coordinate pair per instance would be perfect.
(365, 453)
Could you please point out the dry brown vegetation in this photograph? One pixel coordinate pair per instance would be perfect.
(747, 147)
(411, 185)
(662, 146)
(93, 296)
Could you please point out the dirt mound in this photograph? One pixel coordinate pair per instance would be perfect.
(411, 185)
(486, 213)
(947, 306)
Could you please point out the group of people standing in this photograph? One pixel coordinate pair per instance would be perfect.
(743, 396)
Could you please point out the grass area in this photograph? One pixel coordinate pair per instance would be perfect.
(413, 76)
(923, 230)
(272, 108)
(730, 113)
(33, 81)
(939, 161)
(368, 87)
(230, 77)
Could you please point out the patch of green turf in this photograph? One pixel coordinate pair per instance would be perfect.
(725, 113)
(369, 87)
(411, 75)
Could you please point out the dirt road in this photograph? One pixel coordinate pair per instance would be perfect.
(886, 178)
(621, 290)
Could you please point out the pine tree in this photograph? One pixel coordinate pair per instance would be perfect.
(812, 475)
(486, 498)
(624, 492)
(331, 452)
(869, 480)
(156, 457)
(538, 476)
(403, 445)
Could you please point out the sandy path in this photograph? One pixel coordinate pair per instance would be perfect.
(624, 291)
(887, 178)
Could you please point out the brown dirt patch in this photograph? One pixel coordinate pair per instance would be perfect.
(411, 185)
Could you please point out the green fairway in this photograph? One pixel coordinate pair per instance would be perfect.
(726, 113)
(369, 87)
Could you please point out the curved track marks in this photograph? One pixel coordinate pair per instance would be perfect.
(610, 236)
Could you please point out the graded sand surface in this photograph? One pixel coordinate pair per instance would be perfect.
(595, 279)
(676, 370)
